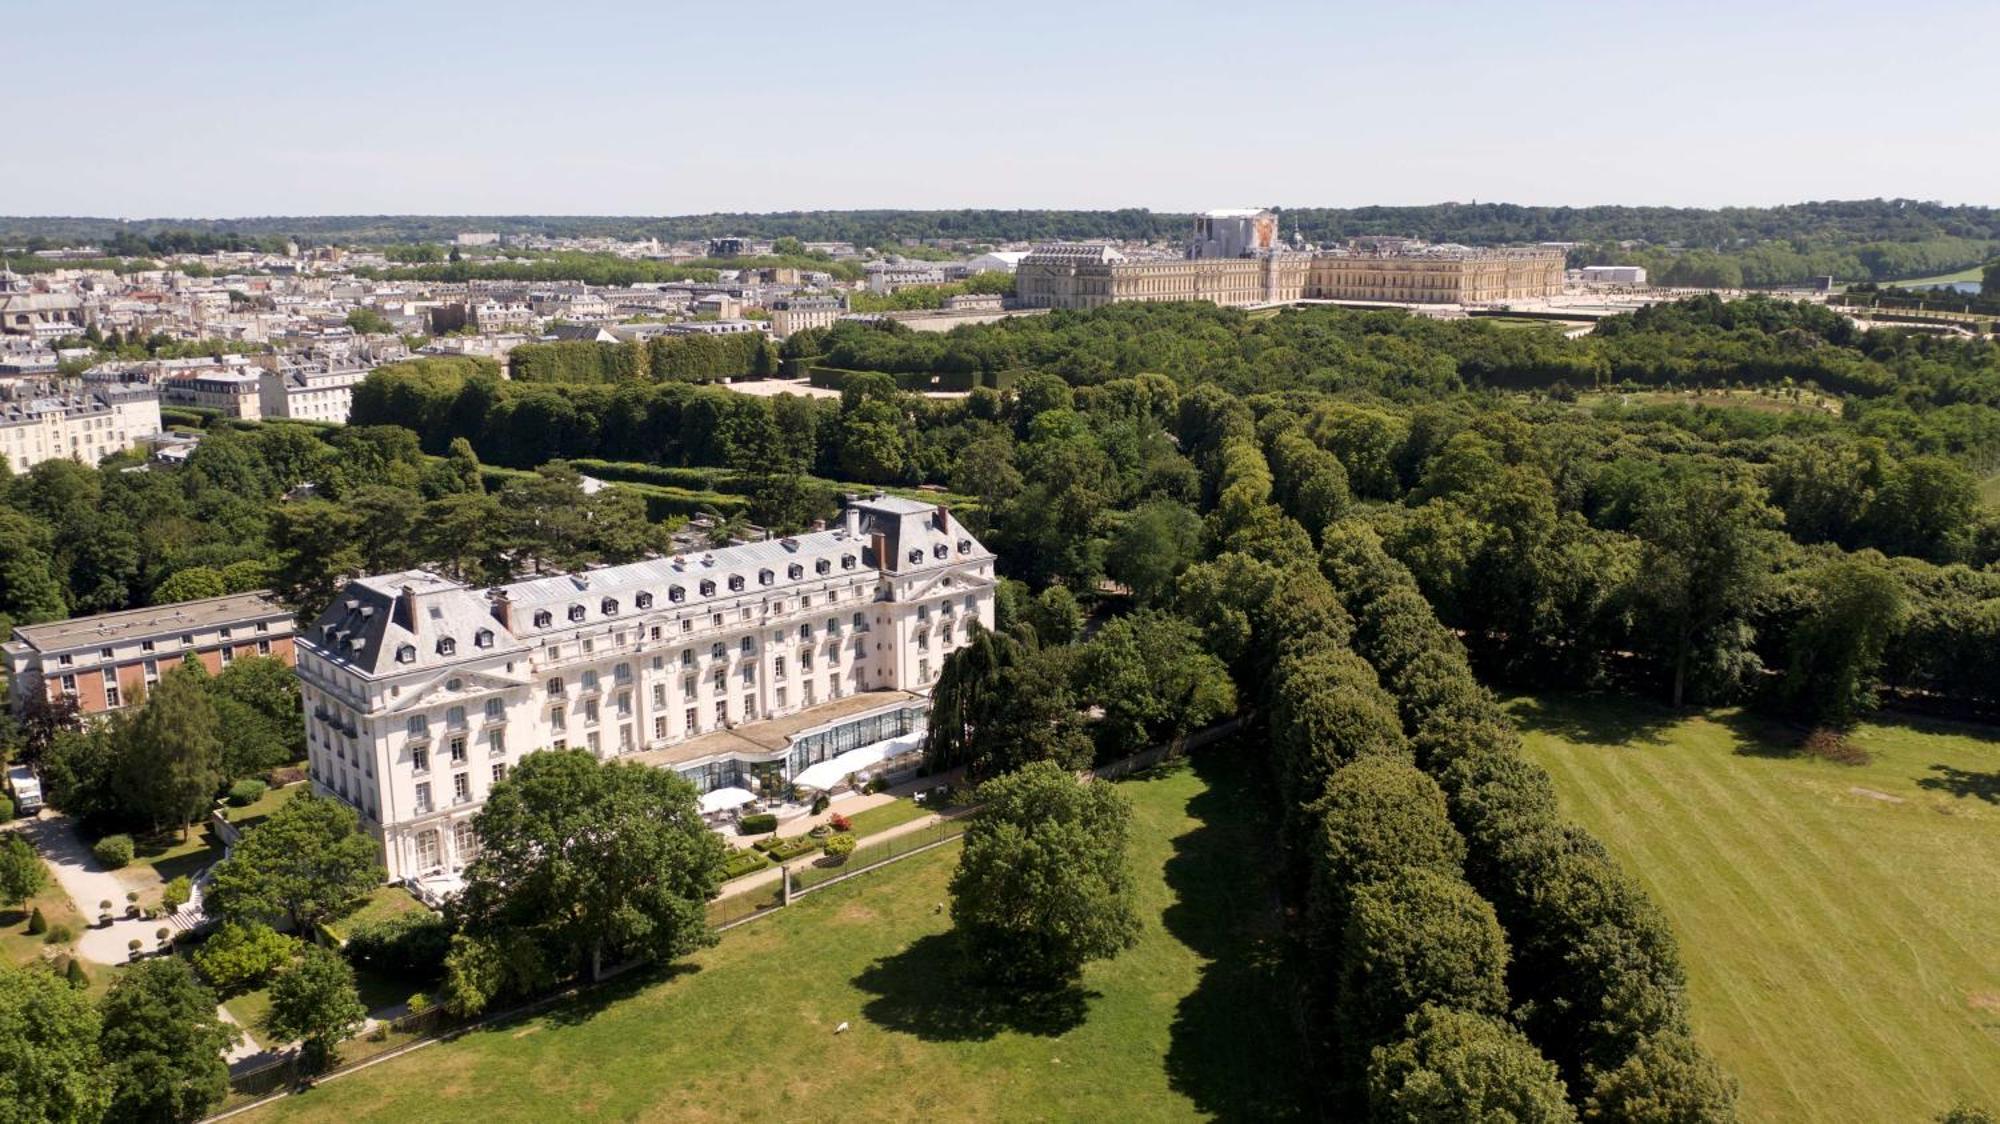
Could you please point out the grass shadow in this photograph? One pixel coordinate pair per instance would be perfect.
(922, 991)
(1594, 719)
(1762, 735)
(590, 1002)
(1235, 1050)
(1963, 783)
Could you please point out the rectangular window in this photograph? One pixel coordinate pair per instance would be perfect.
(692, 719)
(749, 707)
(624, 704)
(496, 742)
(461, 788)
(625, 738)
(659, 727)
(781, 697)
(458, 749)
(593, 742)
(499, 772)
(590, 712)
(659, 694)
(557, 718)
(420, 759)
(423, 796)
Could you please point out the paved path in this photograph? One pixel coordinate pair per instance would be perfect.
(770, 875)
(87, 883)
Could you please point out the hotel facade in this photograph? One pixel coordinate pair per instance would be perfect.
(420, 693)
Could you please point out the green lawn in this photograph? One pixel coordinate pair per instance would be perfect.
(253, 813)
(19, 946)
(1969, 273)
(868, 821)
(1841, 924)
(381, 904)
(1192, 1023)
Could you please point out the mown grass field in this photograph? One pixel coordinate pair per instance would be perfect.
(1192, 1023)
(1840, 923)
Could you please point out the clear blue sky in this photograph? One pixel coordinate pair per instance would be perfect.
(201, 109)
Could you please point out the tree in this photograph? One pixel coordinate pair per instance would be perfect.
(165, 1045)
(191, 584)
(581, 862)
(1416, 937)
(1042, 885)
(302, 864)
(1707, 546)
(1836, 650)
(176, 893)
(1378, 814)
(1153, 681)
(50, 1067)
(22, 875)
(1452, 1066)
(1153, 546)
(315, 1002)
(1000, 704)
(368, 322)
(170, 762)
(1666, 1080)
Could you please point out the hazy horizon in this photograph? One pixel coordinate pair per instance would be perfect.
(207, 110)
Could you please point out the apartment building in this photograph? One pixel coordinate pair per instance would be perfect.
(797, 313)
(44, 421)
(107, 661)
(320, 391)
(235, 391)
(420, 692)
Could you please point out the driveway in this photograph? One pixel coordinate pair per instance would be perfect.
(87, 883)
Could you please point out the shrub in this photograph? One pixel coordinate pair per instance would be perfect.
(820, 802)
(247, 791)
(1832, 745)
(782, 849)
(132, 946)
(840, 823)
(6, 807)
(113, 851)
(239, 956)
(739, 863)
(75, 974)
(418, 1003)
(878, 784)
(410, 945)
(37, 924)
(59, 934)
(176, 894)
(838, 847)
(756, 823)
(163, 933)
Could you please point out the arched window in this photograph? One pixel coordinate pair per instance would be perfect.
(735, 583)
(766, 577)
(608, 606)
(795, 571)
(576, 612)
(822, 566)
(707, 588)
(543, 618)
(447, 646)
(676, 593)
(483, 638)
(428, 856)
(643, 600)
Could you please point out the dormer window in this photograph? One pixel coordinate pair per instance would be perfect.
(965, 546)
(795, 571)
(822, 566)
(576, 612)
(544, 618)
(707, 588)
(916, 555)
(736, 583)
(447, 646)
(847, 561)
(642, 600)
(406, 653)
(766, 577)
(940, 550)
(483, 638)
(676, 593)
(608, 606)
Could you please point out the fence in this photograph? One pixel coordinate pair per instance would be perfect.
(384, 1038)
(809, 877)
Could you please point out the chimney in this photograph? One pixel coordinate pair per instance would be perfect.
(406, 609)
(850, 517)
(940, 517)
(503, 607)
(879, 543)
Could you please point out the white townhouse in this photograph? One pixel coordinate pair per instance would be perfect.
(421, 692)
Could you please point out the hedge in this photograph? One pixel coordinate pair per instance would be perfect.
(740, 863)
(113, 851)
(782, 849)
(756, 823)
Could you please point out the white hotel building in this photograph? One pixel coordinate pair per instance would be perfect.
(421, 692)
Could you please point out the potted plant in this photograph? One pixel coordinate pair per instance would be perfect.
(165, 935)
(132, 946)
(104, 913)
(132, 904)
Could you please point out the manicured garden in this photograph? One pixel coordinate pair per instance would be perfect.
(1839, 922)
(1195, 1021)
